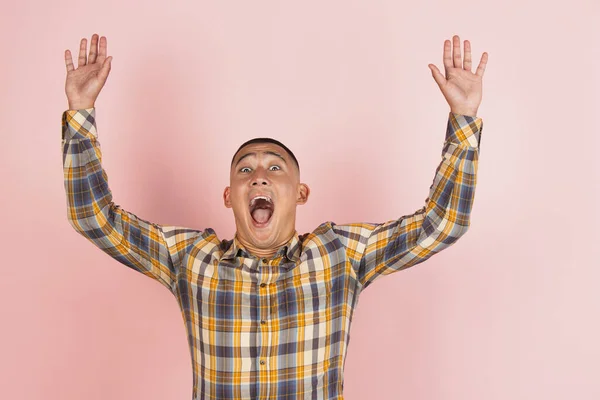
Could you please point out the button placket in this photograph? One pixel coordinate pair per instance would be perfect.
(264, 295)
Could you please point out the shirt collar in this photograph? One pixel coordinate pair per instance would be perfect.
(291, 250)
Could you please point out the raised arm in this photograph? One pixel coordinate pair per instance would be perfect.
(152, 249)
(381, 249)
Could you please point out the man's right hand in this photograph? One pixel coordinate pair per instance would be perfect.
(84, 83)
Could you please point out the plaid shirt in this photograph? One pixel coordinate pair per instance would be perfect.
(273, 328)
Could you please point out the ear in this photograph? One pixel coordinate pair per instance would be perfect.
(303, 193)
(226, 197)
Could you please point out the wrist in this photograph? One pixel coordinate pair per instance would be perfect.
(464, 111)
(79, 107)
(80, 104)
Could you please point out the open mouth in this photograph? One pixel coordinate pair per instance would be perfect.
(261, 210)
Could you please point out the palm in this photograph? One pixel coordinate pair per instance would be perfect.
(84, 83)
(461, 87)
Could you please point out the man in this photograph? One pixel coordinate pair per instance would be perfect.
(268, 313)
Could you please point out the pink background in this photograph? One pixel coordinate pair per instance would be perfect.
(509, 312)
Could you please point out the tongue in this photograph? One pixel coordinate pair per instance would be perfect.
(261, 215)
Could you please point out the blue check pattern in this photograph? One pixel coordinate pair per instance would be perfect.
(275, 328)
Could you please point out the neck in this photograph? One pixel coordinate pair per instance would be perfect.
(268, 253)
(262, 252)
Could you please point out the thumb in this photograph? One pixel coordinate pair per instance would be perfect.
(437, 75)
(103, 74)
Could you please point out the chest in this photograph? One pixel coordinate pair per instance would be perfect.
(242, 294)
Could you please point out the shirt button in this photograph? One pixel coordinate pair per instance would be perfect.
(263, 284)
(262, 362)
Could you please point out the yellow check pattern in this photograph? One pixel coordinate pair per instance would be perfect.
(268, 328)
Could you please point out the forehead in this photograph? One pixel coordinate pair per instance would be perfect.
(260, 148)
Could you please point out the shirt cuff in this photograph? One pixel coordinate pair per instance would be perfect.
(464, 130)
(79, 124)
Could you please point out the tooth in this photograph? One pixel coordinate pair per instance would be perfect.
(260, 197)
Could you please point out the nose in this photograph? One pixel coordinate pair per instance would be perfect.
(260, 178)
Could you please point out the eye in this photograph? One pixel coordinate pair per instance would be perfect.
(245, 169)
(274, 168)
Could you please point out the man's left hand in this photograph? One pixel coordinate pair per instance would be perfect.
(461, 87)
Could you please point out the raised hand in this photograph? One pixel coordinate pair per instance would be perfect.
(84, 83)
(461, 87)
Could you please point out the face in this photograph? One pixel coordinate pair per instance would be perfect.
(265, 170)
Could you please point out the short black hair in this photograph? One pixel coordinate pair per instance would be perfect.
(267, 140)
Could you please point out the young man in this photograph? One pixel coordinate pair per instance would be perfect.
(268, 313)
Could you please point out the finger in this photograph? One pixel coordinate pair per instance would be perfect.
(102, 51)
(103, 74)
(482, 64)
(467, 56)
(447, 56)
(437, 75)
(456, 52)
(81, 61)
(69, 61)
(93, 49)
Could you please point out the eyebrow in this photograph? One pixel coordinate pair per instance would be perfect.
(272, 153)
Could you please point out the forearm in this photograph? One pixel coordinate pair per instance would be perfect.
(84, 178)
(453, 188)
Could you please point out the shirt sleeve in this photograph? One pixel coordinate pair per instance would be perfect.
(381, 249)
(152, 249)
